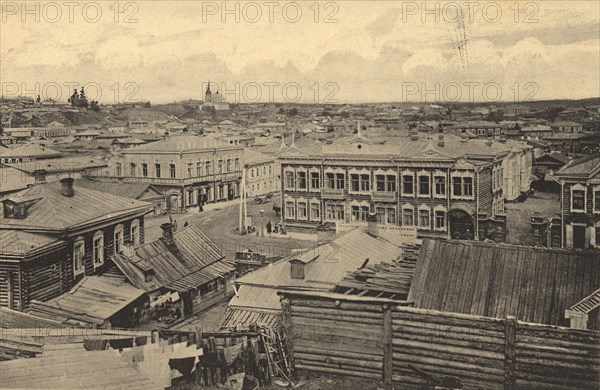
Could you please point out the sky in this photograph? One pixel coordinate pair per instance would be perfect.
(303, 51)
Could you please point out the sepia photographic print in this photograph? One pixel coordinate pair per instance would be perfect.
(311, 195)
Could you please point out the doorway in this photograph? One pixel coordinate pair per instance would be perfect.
(461, 225)
(578, 236)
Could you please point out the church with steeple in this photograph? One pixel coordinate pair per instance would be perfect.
(214, 100)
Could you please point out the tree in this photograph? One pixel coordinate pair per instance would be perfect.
(74, 99)
(94, 105)
(83, 102)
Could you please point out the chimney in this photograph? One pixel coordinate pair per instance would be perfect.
(168, 231)
(40, 175)
(372, 225)
(414, 135)
(128, 249)
(297, 269)
(441, 140)
(67, 187)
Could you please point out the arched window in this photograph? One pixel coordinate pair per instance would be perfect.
(98, 249)
(119, 238)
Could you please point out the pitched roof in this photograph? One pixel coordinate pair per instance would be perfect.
(582, 167)
(425, 146)
(52, 211)
(19, 243)
(254, 157)
(126, 190)
(498, 280)
(180, 143)
(13, 319)
(59, 165)
(31, 150)
(12, 179)
(191, 261)
(92, 301)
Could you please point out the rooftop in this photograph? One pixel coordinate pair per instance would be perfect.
(404, 147)
(190, 261)
(73, 369)
(50, 210)
(582, 167)
(17, 243)
(497, 280)
(29, 151)
(123, 189)
(60, 165)
(92, 301)
(326, 264)
(181, 143)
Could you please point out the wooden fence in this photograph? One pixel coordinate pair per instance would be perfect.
(381, 340)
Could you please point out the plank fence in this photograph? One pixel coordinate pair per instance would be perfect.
(381, 339)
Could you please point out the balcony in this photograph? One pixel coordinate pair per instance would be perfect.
(331, 193)
(384, 196)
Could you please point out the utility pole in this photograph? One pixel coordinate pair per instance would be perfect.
(243, 209)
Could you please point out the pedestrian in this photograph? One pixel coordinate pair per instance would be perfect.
(185, 224)
(269, 228)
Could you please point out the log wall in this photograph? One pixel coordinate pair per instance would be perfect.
(379, 340)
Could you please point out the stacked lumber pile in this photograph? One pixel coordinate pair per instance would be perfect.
(390, 280)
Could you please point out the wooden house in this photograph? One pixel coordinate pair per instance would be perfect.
(580, 197)
(54, 234)
(183, 265)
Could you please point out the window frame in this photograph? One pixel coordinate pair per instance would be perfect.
(135, 236)
(118, 244)
(412, 180)
(420, 183)
(98, 250)
(79, 242)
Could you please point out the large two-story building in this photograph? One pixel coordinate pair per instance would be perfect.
(188, 169)
(443, 185)
(580, 202)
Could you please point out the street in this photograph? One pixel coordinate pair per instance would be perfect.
(220, 221)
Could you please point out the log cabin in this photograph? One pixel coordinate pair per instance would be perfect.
(55, 234)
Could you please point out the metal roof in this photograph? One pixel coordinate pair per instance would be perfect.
(15, 242)
(126, 190)
(55, 212)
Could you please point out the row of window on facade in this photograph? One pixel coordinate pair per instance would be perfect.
(462, 186)
(199, 169)
(421, 217)
(260, 171)
(208, 193)
(98, 247)
(579, 194)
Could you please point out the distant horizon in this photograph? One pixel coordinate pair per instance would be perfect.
(343, 51)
